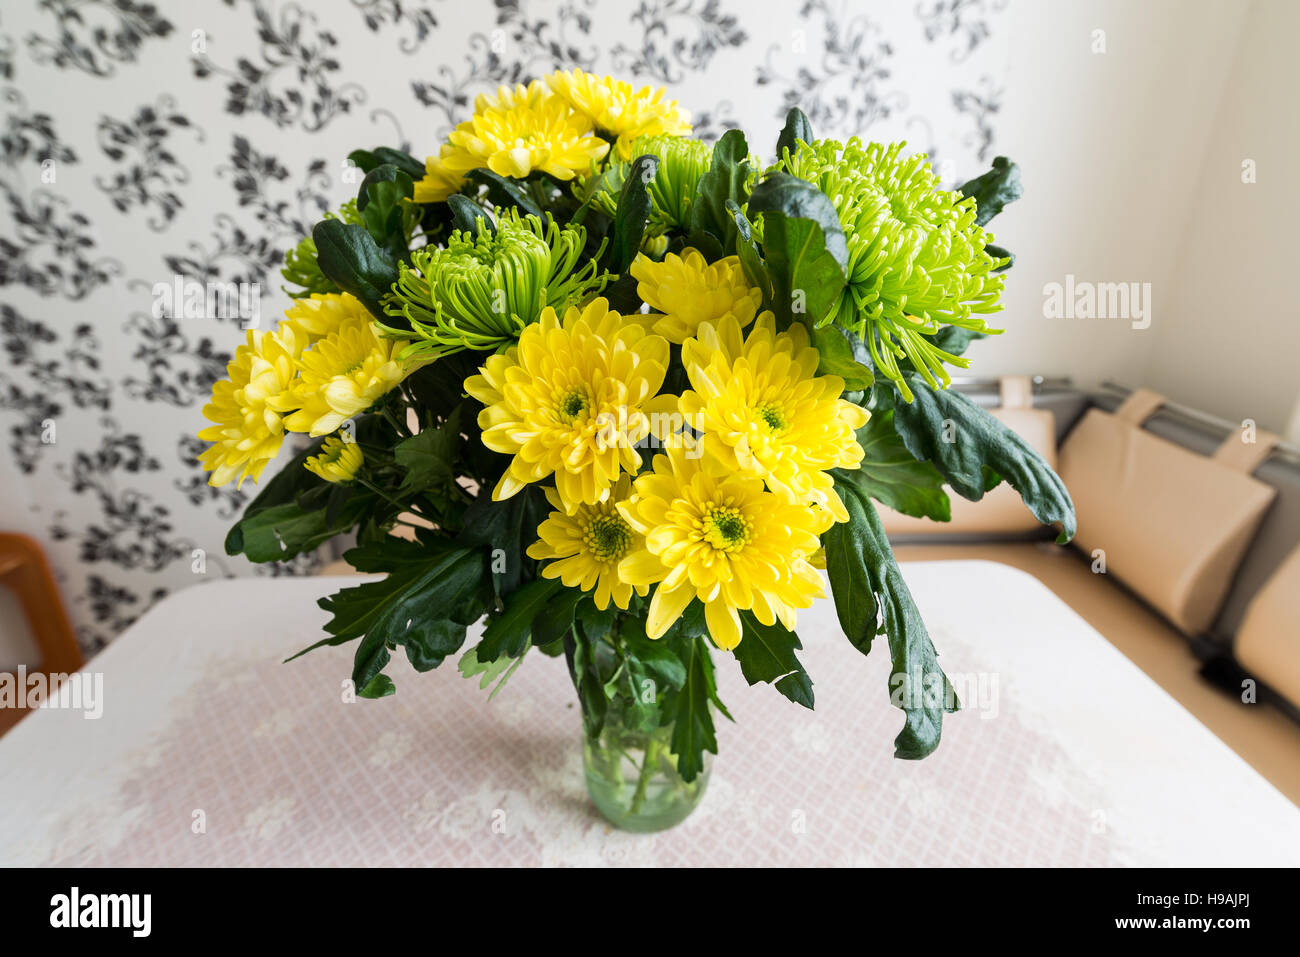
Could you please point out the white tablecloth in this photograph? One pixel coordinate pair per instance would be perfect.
(1077, 759)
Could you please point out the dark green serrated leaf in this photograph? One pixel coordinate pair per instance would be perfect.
(796, 129)
(723, 183)
(379, 200)
(503, 192)
(766, 654)
(468, 216)
(889, 473)
(429, 456)
(508, 633)
(917, 684)
(804, 246)
(506, 529)
(555, 620)
(693, 730)
(657, 657)
(843, 354)
(855, 601)
(349, 256)
(280, 532)
(380, 686)
(432, 592)
(994, 189)
(631, 214)
(972, 449)
(750, 260)
(999, 252)
(798, 199)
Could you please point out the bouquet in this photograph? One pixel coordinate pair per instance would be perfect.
(632, 398)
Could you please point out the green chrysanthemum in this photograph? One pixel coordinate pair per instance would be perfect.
(480, 291)
(300, 265)
(917, 260)
(682, 161)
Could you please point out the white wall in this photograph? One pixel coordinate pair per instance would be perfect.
(1132, 162)
(1234, 342)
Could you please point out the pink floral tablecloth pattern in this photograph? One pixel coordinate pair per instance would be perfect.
(210, 751)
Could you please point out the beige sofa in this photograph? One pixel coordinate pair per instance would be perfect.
(1186, 558)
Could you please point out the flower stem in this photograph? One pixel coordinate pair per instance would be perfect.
(647, 769)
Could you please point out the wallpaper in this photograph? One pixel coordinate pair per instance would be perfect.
(146, 146)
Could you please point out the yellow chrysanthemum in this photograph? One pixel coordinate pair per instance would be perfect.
(248, 430)
(338, 461)
(587, 546)
(439, 182)
(341, 375)
(573, 398)
(516, 133)
(724, 539)
(617, 109)
(688, 291)
(316, 316)
(764, 410)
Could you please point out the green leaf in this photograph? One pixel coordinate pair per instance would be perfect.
(509, 632)
(656, 657)
(380, 686)
(766, 653)
(310, 510)
(804, 245)
(349, 256)
(368, 160)
(468, 216)
(955, 340)
(723, 183)
(504, 192)
(994, 189)
(917, 684)
(429, 456)
(596, 623)
(890, 474)
(631, 214)
(556, 618)
(489, 671)
(806, 279)
(507, 529)
(843, 354)
(747, 250)
(971, 449)
(693, 731)
(999, 252)
(432, 592)
(586, 681)
(845, 544)
(798, 199)
(796, 129)
(379, 200)
(280, 532)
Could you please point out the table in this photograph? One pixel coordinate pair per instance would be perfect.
(211, 751)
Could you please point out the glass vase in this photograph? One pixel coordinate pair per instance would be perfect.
(633, 779)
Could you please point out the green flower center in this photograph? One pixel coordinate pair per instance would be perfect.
(573, 405)
(726, 529)
(771, 416)
(607, 538)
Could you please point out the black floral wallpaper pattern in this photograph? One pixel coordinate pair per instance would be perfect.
(146, 143)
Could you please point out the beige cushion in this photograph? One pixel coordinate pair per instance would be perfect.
(999, 512)
(1173, 524)
(1268, 641)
